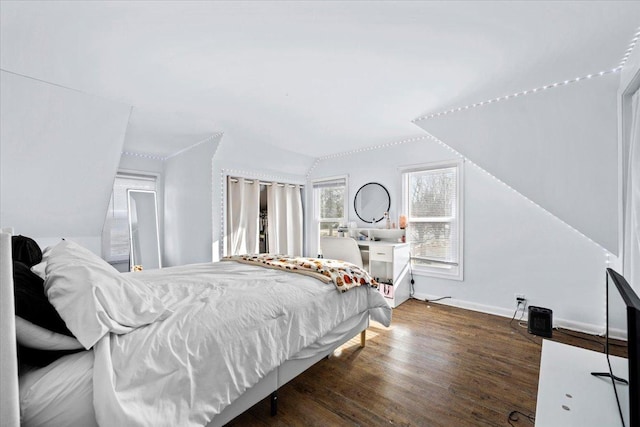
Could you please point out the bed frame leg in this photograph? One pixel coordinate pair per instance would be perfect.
(363, 338)
(274, 403)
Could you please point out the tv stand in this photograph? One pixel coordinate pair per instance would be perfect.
(569, 396)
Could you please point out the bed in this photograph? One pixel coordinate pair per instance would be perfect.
(190, 345)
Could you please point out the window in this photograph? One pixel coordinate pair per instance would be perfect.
(115, 234)
(432, 198)
(330, 205)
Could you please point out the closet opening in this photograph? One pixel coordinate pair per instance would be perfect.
(264, 217)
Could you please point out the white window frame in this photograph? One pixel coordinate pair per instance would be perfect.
(439, 269)
(316, 204)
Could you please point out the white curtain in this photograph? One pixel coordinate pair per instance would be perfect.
(632, 201)
(284, 219)
(243, 216)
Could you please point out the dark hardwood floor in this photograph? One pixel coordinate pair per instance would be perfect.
(435, 366)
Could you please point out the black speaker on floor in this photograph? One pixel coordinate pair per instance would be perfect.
(540, 321)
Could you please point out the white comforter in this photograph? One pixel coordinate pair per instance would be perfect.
(232, 324)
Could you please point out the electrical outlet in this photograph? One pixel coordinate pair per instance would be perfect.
(520, 298)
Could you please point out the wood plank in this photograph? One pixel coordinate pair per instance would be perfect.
(435, 366)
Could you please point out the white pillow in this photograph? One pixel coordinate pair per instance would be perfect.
(93, 298)
(40, 268)
(33, 336)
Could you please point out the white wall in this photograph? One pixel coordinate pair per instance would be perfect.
(629, 83)
(511, 246)
(559, 149)
(60, 150)
(188, 205)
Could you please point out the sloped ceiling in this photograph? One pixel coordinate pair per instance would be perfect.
(60, 151)
(313, 77)
(164, 133)
(557, 147)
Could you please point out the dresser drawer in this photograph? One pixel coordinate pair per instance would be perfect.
(381, 253)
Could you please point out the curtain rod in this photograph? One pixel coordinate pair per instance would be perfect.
(250, 181)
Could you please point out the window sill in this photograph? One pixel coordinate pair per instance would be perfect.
(439, 273)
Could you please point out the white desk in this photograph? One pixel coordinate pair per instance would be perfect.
(388, 262)
(566, 371)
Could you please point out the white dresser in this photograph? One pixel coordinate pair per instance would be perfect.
(388, 263)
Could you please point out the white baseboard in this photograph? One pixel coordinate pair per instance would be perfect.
(572, 325)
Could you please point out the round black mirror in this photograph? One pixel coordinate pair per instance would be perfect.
(371, 202)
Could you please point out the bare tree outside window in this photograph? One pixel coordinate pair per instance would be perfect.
(433, 217)
(330, 205)
(332, 202)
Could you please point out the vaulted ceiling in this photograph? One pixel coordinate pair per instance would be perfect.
(310, 77)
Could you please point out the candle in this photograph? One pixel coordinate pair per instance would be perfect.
(402, 221)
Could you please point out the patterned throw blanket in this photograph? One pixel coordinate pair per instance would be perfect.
(343, 274)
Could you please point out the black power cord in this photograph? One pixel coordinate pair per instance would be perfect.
(524, 305)
(436, 299)
(516, 312)
(515, 416)
(411, 291)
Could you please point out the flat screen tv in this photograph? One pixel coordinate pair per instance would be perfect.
(623, 328)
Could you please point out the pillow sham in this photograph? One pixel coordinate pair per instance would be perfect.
(39, 346)
(25, 250)
(41, 333)
(33, 336)
(93, 298)
(31, 302)
(39, 268)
